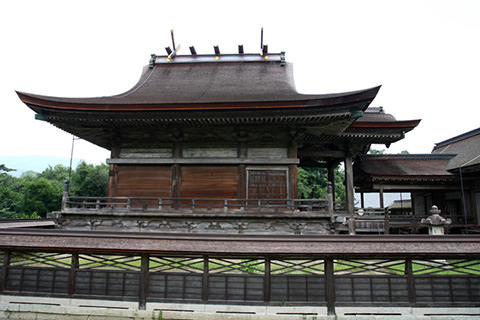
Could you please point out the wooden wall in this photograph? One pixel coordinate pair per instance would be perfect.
(209, 182)
(140, 181)
(201, 181)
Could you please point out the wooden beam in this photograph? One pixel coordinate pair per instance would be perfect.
(349, 185)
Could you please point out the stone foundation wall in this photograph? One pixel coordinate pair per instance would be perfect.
(195, 223)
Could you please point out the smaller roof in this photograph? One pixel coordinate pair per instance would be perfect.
(423, 167)
(466, 148)
(401, 204)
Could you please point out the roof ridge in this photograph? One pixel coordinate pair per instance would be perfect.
(458, 138)
(415, 156)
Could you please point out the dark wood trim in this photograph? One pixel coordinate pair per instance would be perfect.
(330, 286)
(267, 283)
(73, 272)
(242, 182)
(144, 280)
(5, 266)
(205, 278)
(237, 244)
(292, 181)
(410, 281)
(349, 185)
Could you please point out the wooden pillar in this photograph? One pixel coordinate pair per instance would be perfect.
(382, 205)
(292, 170)
(349, 205)
(292, 181)
(242, 182)
(73, 274)
(4, 274)
(205, 279)
(267, 281)
(144, 279)
(331, 177)
(330, 286)
(362, 200)
(410, 282)
(330, 200)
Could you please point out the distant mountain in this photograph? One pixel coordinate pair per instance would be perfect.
(34, 163)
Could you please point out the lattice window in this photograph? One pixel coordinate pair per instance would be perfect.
(40, 259)
(237, 266)
(297, 266)
(109, 262)
(176, 264)
(369, 267)
(446, 267)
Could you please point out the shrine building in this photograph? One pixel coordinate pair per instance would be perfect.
(221, 134)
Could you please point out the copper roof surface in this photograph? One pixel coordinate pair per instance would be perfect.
(178, 86)
(466, 147)
(405, 165)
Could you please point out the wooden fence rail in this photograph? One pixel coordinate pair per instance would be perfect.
(194, 204)
(262, 279)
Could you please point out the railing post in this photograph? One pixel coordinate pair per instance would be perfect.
(97, 206)
(6, 264)
(410, 282)
(160, 204)
(330, 285)
(267, 284)
(225, 205)
(205, 276)
(143, 290)
(129, 204)
(73, 273)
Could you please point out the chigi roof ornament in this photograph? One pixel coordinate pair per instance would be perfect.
(173, 57)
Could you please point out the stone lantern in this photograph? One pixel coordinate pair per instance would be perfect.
(436, 223)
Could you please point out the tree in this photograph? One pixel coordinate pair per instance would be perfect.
(10, 196)
(41, 196)
(57, 173)
(312, 183)
(89, 180)
(5, 169)
(374, 151)
(35, 194)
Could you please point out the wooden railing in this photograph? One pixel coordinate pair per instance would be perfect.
(194, 204)
(380, 220)
(321, 271)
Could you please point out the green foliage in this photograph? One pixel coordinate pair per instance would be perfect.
(41, 196)
(10, 196)
(34, 194)
(374, 151)
(90, 180)
(5, 169)
(312, 183)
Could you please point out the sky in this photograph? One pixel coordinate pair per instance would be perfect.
(424, 53)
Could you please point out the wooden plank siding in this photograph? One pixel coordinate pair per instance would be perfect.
(209, 182)
(142, 181)
(202, 181)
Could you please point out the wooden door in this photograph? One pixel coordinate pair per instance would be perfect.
(267, 183)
